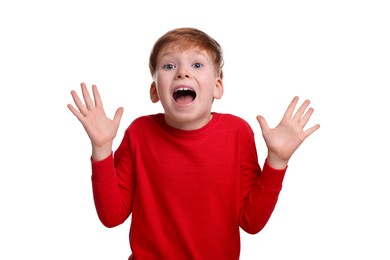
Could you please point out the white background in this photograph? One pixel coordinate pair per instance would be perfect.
(335, 201)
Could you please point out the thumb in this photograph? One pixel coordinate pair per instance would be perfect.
(118, 115)
(263, 123)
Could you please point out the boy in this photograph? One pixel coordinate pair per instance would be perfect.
(189, 177)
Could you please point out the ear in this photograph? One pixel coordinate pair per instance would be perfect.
(218, 89)
(153, 93)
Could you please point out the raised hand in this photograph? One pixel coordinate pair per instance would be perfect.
(283, 140)
(100, 129)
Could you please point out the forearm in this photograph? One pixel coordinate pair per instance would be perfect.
(108, 194)
(262, 198)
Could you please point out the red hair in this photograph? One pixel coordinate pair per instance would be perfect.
(185, 38)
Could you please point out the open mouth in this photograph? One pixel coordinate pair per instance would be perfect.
(184, 95)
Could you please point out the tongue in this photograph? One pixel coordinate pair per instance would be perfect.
(184, 99)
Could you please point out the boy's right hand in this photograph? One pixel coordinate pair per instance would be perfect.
(100, 129)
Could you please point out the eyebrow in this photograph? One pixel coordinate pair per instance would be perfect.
(168, 53)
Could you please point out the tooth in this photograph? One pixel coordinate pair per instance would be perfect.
(182, 89)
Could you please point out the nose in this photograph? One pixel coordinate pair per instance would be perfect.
(182, 74)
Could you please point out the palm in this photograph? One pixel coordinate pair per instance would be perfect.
(283, 140)
(100, 129)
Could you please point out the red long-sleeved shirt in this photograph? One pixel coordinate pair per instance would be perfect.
(188, 191)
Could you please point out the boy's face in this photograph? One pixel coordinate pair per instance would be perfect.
(186, 83)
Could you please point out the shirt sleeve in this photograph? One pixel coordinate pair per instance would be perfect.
(259, 189)
(113, 185)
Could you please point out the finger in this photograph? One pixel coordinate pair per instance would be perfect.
(311, 130)
(87, 98)
(83, 110)
(301, 110)
(96, 96)
(291, 107)
(75, 112)
(306, 117)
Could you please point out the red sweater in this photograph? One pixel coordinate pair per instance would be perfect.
(189, 192)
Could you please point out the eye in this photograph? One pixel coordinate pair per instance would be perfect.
(197, 65)
(169, 67)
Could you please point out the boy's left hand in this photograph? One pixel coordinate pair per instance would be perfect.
(283, 140)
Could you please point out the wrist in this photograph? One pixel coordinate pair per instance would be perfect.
(276, 163)
(102, 152)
